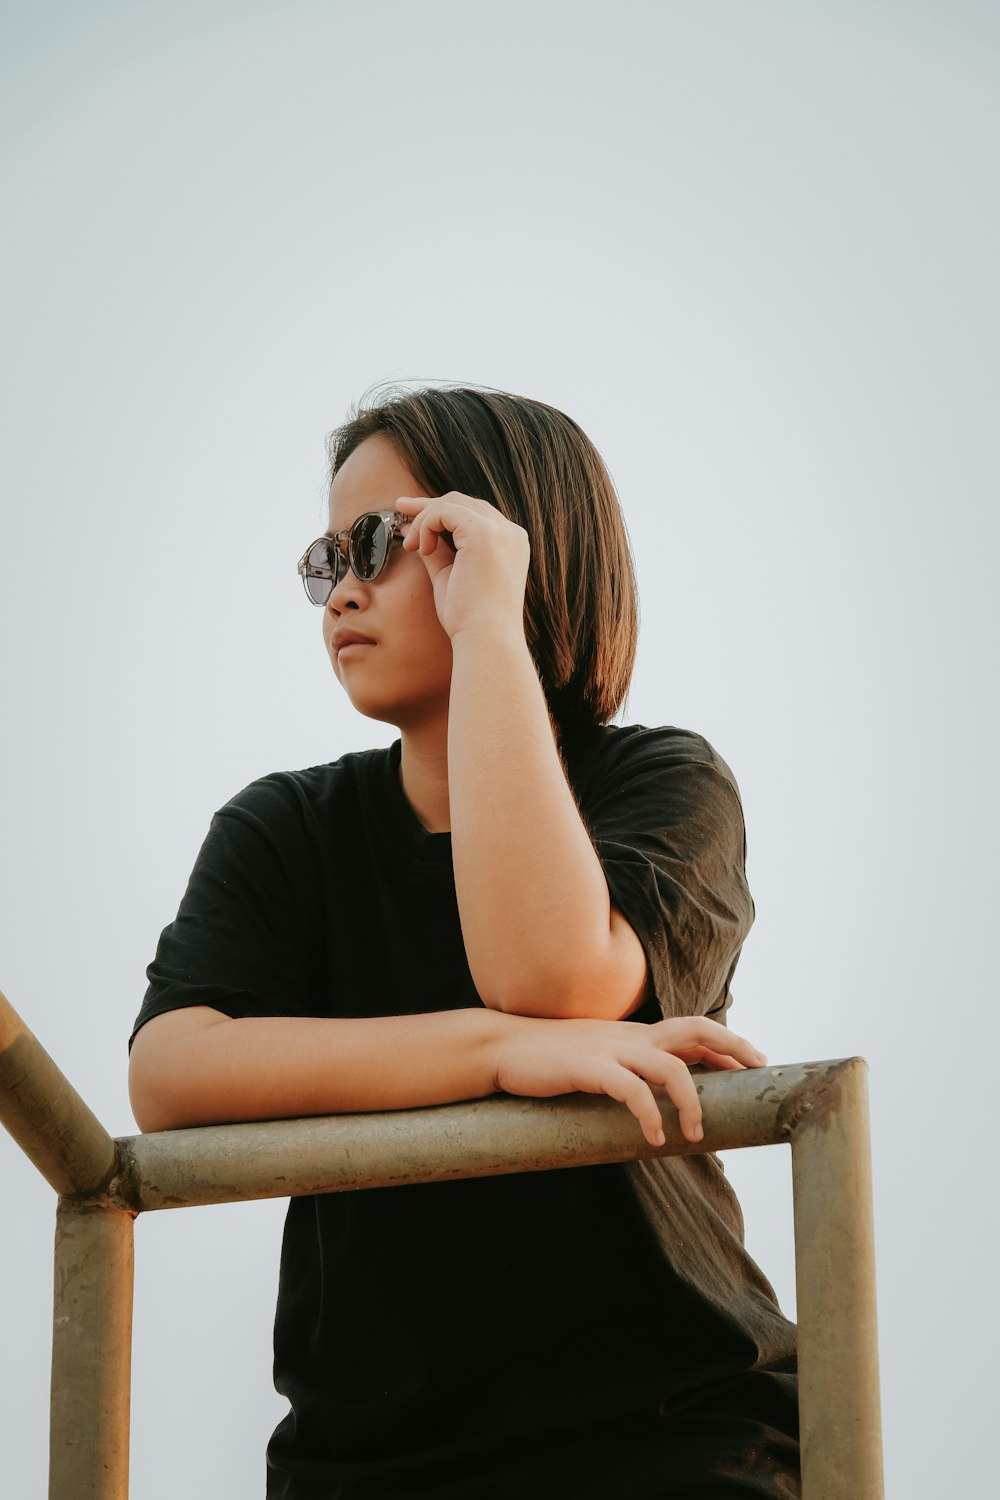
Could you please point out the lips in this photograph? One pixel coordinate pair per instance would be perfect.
(342, 637)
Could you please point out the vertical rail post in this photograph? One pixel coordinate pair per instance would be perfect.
(91, 1353)
(835, 1281)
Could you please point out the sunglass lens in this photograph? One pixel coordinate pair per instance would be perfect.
(369, 544)
(323, 559)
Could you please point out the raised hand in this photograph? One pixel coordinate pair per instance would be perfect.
(477, 561)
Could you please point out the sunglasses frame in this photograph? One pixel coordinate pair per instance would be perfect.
(392, 520)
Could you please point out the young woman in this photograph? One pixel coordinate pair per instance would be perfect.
(518, 897)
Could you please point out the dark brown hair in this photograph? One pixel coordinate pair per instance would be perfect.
(541, 471)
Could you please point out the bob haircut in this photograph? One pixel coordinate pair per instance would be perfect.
(541, 471)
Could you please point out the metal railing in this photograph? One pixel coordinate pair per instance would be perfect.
(820, 1109)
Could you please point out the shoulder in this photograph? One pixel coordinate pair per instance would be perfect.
(308, 792)
(638, 756)
(291, 817)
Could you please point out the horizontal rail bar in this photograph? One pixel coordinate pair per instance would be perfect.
(46, 1116)
(340, 1153)
(819, 1108)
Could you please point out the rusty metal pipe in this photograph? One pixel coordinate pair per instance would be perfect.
(46, 1116)
(835, 1279)
(821, 1108)
(91, 1354)
(282, 1158)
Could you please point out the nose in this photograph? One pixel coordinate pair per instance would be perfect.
(350, 593)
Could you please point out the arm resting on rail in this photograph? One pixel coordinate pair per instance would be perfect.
(196, 1066)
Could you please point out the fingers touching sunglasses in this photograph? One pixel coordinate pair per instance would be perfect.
(363, 547)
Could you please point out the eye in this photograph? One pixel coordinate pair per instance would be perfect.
(369, 541)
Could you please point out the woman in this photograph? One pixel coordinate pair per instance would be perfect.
(516, 896)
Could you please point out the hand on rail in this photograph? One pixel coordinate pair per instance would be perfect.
(622, 1059)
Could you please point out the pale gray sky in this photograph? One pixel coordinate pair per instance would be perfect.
(751, 247)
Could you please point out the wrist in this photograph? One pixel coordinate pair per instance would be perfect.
(497, 659)
(495, 638)
(506, 1032)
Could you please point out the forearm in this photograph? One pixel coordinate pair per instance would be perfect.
(204, 1068)
(198, 1067)
(537, 919)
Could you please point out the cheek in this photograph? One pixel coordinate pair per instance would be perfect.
(426, 633)
(412, 604)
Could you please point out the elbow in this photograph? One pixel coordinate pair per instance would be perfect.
(514, 1002)
(146, 1113)
(167, 1083)
(587, 994)
(526, 992)
(161, 1107)
(595, 975)
(151, 1105)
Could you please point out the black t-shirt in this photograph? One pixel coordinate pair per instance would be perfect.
(519, 1326)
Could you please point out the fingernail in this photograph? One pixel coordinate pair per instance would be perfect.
(698, 1134)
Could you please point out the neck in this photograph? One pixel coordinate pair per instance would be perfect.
(423, 770)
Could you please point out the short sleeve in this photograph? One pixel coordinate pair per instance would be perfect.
(665, 816)
(241, 941)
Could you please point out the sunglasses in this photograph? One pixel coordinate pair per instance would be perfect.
(363, 547)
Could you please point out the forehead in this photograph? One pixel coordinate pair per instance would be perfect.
(372, 478)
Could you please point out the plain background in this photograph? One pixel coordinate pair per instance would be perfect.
(752, 248)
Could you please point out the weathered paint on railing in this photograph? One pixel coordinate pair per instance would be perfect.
(820, 1109)
(46, 1116)
(91, 1353)
(839, 1405)
(486, 1137)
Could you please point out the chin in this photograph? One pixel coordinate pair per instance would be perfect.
(408, 718)
(374, 706)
